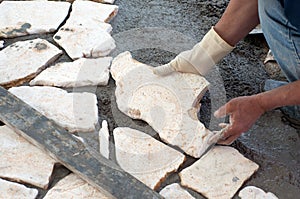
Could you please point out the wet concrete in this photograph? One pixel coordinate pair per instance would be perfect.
(175, 26)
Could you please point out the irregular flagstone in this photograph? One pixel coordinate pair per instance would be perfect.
(82, 72)
(79, 41)
(104, 140)
(73, 111)
(85, 33)
(23, 60)
(31, 17)
(74, 187)
(219, 173)
(252, 192)
(15, 190)
(21, 161)
(256, 30)
(144, 157)
(175, 191)
(269, 57)
(165, 103)
(102, 1)
(91, 13)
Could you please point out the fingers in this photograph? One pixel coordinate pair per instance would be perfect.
(222, 111)
(163, 70)
(230, 134)
(224, 125)
(228, 141)
(218, 135)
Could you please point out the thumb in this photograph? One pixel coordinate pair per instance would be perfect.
(163, 70)
(221, 112)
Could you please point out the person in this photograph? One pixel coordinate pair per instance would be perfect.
(280, 21)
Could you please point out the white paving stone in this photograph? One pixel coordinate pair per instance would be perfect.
(252, 192)
(79, 41)
(165, 103)
(14, 190)
(1, 44)
(102, 1)
(31, 17)
(104, 140)
(23, 60)
(74, 187)
(144, 157)
(22, 161)
(175, 191)
(85, 33)
(82, 72)
(219, 173)
(91, 13)
(73, 111)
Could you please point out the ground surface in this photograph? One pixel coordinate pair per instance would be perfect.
(174, 26)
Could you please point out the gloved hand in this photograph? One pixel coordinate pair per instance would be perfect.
(199, 60)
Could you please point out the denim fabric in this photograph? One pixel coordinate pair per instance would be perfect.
(284, 41)
(291, 10)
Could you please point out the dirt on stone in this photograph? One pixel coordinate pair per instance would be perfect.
(175, 26)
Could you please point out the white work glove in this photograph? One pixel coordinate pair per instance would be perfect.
(199, 60)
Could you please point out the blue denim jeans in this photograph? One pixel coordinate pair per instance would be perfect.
(284, 41)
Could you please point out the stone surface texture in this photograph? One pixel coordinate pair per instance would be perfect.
(252, 192)
(91, 13)
(14, 190)
(21, 161)
(85, 33)
(31, 17)
(104, 140)
(165, 103)
(23, 60)
(74, 187)
(144, 157)
(175, 191)
(1, 44)
(219, 173)
(73, 111)
(102, 1)
(82, 72)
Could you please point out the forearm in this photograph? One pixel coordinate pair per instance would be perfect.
(282, 96)
(239, 18)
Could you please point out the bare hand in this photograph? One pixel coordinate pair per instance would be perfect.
(243, 113)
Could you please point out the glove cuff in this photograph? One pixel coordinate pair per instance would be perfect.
(204, 55)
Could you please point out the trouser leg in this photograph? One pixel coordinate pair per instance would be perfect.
(284, 41)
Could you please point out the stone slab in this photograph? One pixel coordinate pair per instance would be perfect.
(79, 41)
(23, 162)
(252, 192)
(104, 140)
(31, 17)
(219, 173)
(73, 111)
(102, 1)
(147, 159)
(23, 60)
(15, 190)
(91, 13)
(85, 33)
(168, 104)
(270, 57)
(175, 191)
(44, 133)
(82, 72)
(74, 187)
(256, 30)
